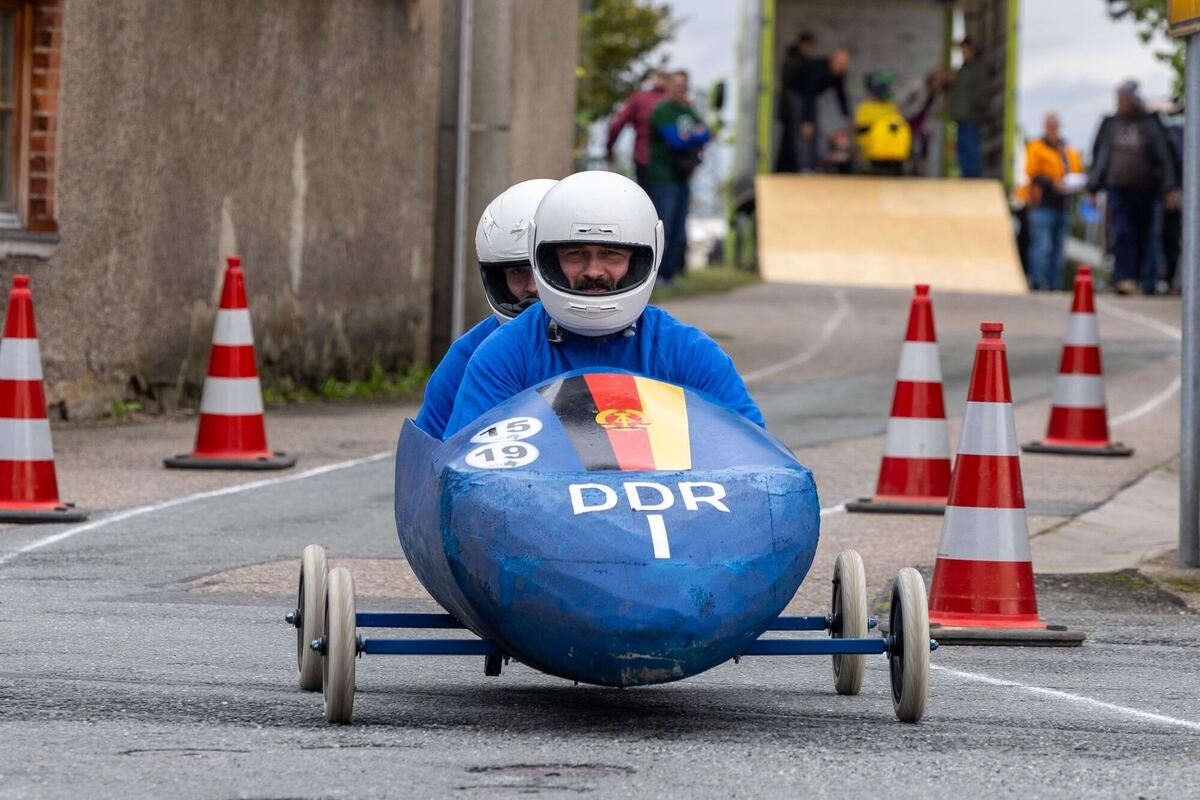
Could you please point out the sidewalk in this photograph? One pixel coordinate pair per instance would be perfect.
(102, 466)
(1139, 524)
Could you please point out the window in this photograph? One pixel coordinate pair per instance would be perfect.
(30, 32)
(9, 86)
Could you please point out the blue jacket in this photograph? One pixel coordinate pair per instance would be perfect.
(521, 355)
(443, 383)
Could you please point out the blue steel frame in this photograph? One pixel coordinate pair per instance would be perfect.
(479, 647)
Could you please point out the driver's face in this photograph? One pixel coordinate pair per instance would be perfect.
(593, 267)
(520, 282)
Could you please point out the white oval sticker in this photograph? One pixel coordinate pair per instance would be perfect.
(509, 430)
(500, 455)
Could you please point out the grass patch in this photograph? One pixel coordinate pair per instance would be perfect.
(1190, 585)
(1130, 579)
(378, 385)
(704, 281)
(123, 408)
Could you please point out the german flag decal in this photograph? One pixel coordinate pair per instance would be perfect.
(622, 422)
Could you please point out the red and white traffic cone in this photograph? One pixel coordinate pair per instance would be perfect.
(982, 590)
(914, 477)
(232, 433)
(28, 483)
(1078, 417)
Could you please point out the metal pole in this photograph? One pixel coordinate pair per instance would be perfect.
(462, 165)
(1189, 455)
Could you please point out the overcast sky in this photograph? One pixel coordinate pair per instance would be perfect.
(1072, 57)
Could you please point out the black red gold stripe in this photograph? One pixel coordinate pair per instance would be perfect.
(623, 422)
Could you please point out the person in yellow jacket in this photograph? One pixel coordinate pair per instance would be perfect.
(1055, 172)
(884, 137)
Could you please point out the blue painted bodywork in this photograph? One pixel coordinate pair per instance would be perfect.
(582, 595)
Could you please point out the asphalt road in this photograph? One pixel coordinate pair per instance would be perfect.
(147, 656)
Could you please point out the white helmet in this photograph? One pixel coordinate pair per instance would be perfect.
(601, 208)
(500, 243)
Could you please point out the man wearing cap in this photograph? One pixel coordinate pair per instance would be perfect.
(508, 283)
(1131, 162)
(595, 245)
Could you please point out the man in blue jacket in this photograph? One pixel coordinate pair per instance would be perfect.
(503, 254)
(595, 245)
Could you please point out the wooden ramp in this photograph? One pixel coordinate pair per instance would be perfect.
(956, 235)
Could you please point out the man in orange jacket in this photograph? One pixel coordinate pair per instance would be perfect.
(1048, 162)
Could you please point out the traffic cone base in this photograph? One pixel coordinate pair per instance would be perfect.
(66, 512)
(268, 462)
(231, 433)
(914, 475)
(1050, 636)
(1078, 415)
(1075, 448)
(882, 504)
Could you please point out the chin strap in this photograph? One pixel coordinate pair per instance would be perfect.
(556, 334)
(514, 310)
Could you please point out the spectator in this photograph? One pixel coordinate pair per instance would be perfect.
(884, 138)
(636, 112)
(677, 138)
(1131, 162)
(966, 103)
(796, 54)
(1048, 162)
(802, 89)
(1172, 221)
(921, 107)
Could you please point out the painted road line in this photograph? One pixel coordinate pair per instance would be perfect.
(1071, 698)
(138, 511)
(1149, 405)
(804, 356)
(1167, 330)
(840, 508)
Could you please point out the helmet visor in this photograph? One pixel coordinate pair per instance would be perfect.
(509, 286)
(594, 268)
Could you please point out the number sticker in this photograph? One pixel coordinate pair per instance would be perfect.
(502, 456)
(509, 430)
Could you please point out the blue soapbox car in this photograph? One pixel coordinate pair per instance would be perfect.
(609, 529)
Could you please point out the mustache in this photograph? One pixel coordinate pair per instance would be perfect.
(595, 282)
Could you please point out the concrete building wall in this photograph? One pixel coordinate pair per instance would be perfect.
(294, 133)
(308, 137)
(522, 113)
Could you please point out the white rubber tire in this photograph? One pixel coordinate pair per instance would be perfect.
(310, 601)
(849, 609)
(909, 660)
(341, 647)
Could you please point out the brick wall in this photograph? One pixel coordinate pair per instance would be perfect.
(43, 129)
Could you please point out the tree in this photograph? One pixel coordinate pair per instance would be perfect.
(1151, 19)
(617, 38)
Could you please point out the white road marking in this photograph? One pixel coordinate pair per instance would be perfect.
(1070, 698)
(190, 498)
(840, 508)
(1149, 405)
(1167, 330)
(827, 331)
